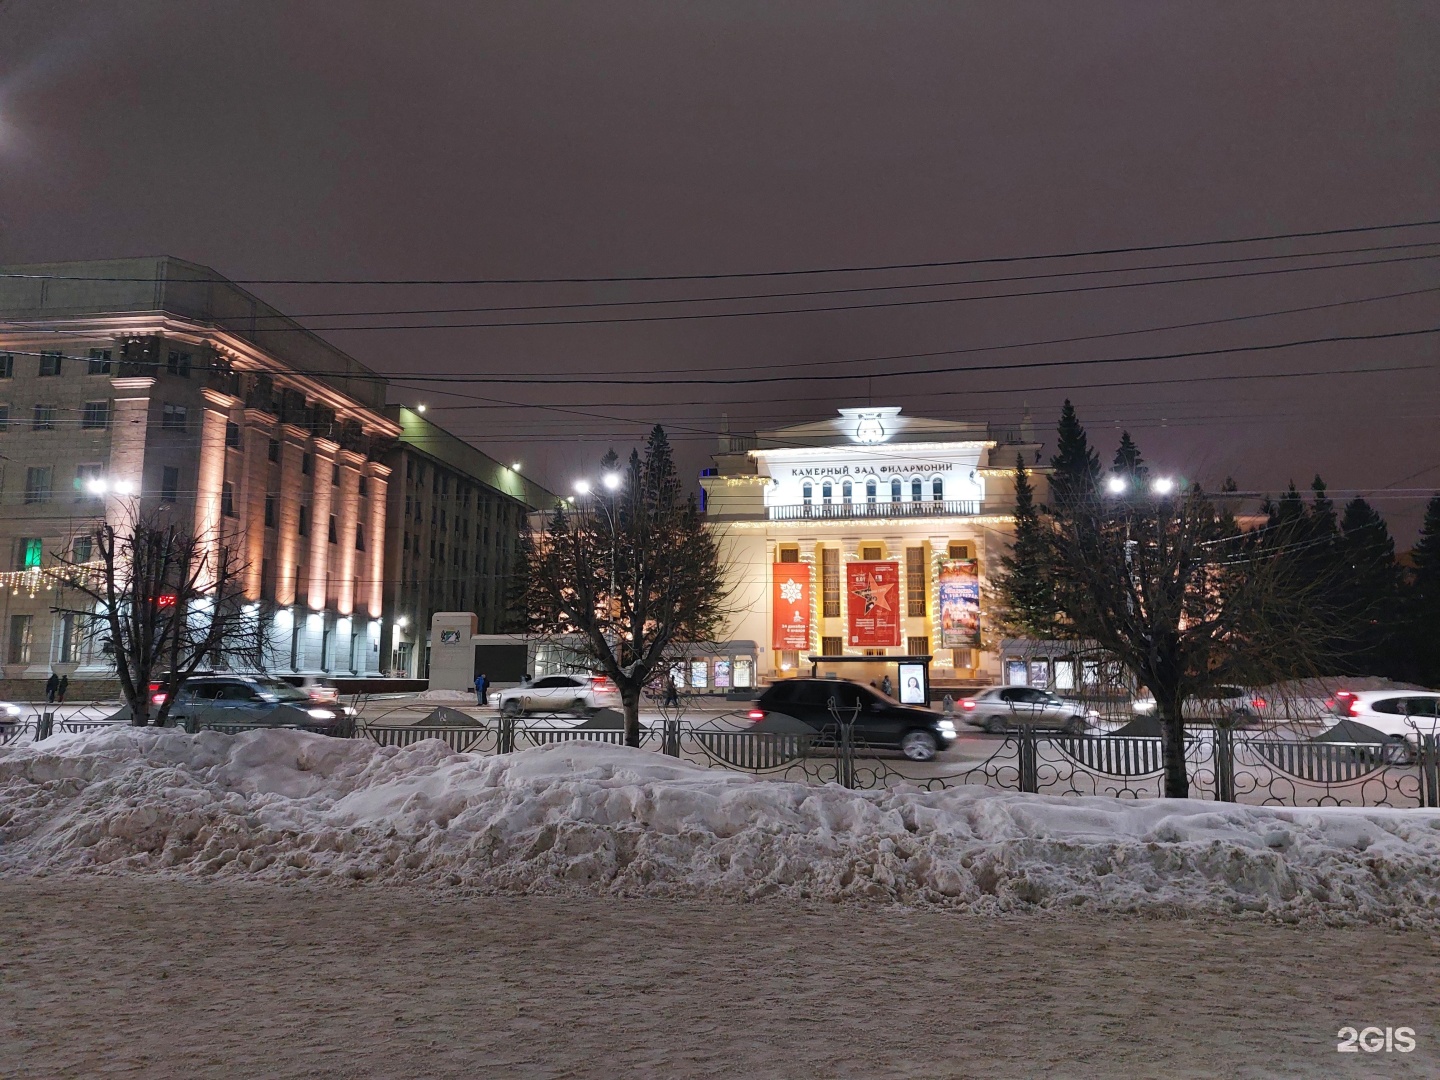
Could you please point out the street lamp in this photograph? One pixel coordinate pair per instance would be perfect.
(582, 487)
(611, 480)
(1116, 485)
(515, 466)
(1162, 485)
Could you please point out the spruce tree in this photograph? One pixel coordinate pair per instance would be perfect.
(1422, 602)
(1128, 461)
(1076, 465)
(1368, 587)
(1025, 585)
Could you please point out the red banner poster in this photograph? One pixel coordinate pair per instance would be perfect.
(874, 599)
(790, 600)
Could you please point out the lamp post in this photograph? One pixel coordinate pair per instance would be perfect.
(611, 482)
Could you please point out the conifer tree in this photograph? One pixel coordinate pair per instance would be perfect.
(1076, 465)
(1128, 461)
(1422, 602)
(1027, 594)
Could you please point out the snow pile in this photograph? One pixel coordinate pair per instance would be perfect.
(286, 805)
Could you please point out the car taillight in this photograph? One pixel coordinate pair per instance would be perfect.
(157, 699)
(1258, 702)
(967, 704)
(756, 714)
(1353, 708)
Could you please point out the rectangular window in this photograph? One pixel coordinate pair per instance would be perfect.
(832, 646)
(274, 451)
(871, 554)
(306, 464)
(227, 500)
(364, 487)
(269, 511)
(789, 555)
(170, 484)
(232, 435)
(7, 365)
(959, 551)
(359, 537)
(37, 484)
(830, 582)
(50, 363)
(20, 630)
(173, 417)
(915, 584)
(178, 363)
(334, 475)
(99, 362)
(95, 415)
(82, 548)
(32, 550)
(917, 646)
(334, 531)
(89, 482)
(4, 417)
(44, 418)
(304, 526)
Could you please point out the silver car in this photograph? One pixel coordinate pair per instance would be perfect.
(1003, 707)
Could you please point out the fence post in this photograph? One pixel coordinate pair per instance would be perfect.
(44, 726)
(1224, 764)
(671, 743)
(1029, 774)
(505, 744)
(847, 754)
(1430, 770)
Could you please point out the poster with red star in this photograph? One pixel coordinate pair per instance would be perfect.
(874, 599)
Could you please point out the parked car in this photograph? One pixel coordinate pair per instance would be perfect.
(253, 699)
(1404, 714)
(582, 694)
(1002, 707)
(879, 720)
(1231, 706)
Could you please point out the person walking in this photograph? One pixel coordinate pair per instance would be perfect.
(482, 689)
(672, 693)
(52, 687)
(62, 688)
(886, 687)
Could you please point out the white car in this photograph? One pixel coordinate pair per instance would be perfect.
(560, 693)
(1405, 714)
(1228, 705)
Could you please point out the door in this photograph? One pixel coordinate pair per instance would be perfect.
(1026, 704)
(1055, 711)
(879, 722)
(241, 703)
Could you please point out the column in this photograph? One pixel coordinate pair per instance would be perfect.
(322, 501)
(214, 415)
(254, 486)
(288, 548)
(849, 552)
(128, 428)
(347, 509)
(375, 540)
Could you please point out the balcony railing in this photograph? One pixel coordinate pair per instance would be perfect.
(836, 511)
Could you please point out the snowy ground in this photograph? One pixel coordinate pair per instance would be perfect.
(286, 806)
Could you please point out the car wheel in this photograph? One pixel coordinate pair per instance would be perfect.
(918, 745)
(994, 725)
(510, 708)
(1074, 726)
(579, 707)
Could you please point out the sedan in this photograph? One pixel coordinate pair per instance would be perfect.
(879, 721)
(582, 694)
(1003, 707)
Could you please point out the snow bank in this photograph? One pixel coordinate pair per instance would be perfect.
(283, 805)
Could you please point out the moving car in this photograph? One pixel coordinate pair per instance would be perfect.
(1405, 714)
(253, 699)
(880, 721)
(1231, 706)
(582, 694)
(1002, 707)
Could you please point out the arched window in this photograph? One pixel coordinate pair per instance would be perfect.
(825, 492)
(808, 492)
(917, 490)
(846, 490)
(895, 490)
(869, 491)
(938, 490)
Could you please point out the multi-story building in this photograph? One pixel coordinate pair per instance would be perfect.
(154, 386)
(452, 543)
(857, 539)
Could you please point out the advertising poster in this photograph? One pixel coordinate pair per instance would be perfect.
(959, 604)
(874, 603)
(791, 604)
(913, 689)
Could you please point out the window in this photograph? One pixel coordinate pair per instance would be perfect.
(304, 524)
(959, 551)
(915, 590)
(82, 548)
(170, 483)
(232, 435)
(173, 417)
(937, 490)
(7, 365)
(359, 537)
(49, 363)
(178, 363)
(364, 488)
(917, 490)
(826, 490)
(334, 475)
(88, 482)
(32, 550)
(895, 490)
(832, 646)
(870, 491)
(307, 464)
(917, 646)
(789, 555)
(44, 418)
(807, 493)
(99, 362)
(274, 450)
(847, 491)
(871, 554)
(830, 582)
(37, 484)
(20, 631)
(334, 531)
(95, 415)
(4, 417)
(269, 511)
(227, 500)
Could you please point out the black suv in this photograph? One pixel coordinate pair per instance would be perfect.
(880, 721)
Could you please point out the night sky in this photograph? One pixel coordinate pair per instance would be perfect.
(349, 139)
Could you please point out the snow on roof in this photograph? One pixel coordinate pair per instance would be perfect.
(283, 805)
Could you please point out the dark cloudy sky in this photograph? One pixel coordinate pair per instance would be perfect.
(430, 139)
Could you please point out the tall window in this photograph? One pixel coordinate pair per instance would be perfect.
(273, 452)
(830, 582)
(95, 415)
(32, 550)
(334, 531)
(173, 417)
(44, 418)
(847, 491)
(334, 475)
(807, 492)
(304, 523)
(232, 435)
(306, 464)
(832, 646)
(169, 484)
(50, 363)
(895, 490)
(938, 490)
(178, 363)
(826, 491)
(870, 491)
(37, 484)
(20, 631)
(82, 549)
(269, 511)
(227, 500)
(87, 482)
(7, 365)
(4, 417)
(359, 537)
(915, 584)
(99, 362)
(917, 490)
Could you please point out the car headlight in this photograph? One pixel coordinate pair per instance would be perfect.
(320, 714)
(348, 711)
(12, 710)
(1144, 706)
(947, 728)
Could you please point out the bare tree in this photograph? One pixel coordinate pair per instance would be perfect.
(162, 603)
(627, 576)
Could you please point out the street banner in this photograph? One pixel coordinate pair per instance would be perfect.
(959, 604)
(874, 601)
(790, 600)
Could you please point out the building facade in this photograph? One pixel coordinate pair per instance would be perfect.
(453, 540)
(153, 386)
(865, 537)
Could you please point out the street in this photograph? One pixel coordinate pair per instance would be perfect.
(131, 976)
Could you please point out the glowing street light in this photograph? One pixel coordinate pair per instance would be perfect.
(1116, 485)
(582, 487)
(419, 408)
(611, 481)
(1162, 485)
(515, 467)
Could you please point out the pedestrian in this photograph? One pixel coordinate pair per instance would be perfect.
(886, 687)
(672, 692)
(482, 686)
(52, 687)
(60, 690)
(947, 705)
